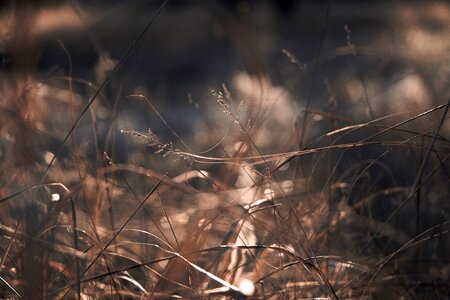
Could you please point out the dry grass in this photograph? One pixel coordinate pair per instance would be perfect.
(267, 199)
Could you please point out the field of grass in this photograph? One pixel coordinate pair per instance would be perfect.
(314, 165)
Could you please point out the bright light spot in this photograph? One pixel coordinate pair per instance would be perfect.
(409, 93)
(287, 186)
(56, 197)
(201, 222)
(204, 222)
(246, 286)
(240, 147)
(48, 156)
(289, 248)
(269, 193)
(317, 117)
(355, 90)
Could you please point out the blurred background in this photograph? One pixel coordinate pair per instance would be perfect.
(400, 48)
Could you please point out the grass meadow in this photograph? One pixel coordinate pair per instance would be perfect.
(314, 165)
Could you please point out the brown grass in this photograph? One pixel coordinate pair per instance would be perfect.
(264, 200)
